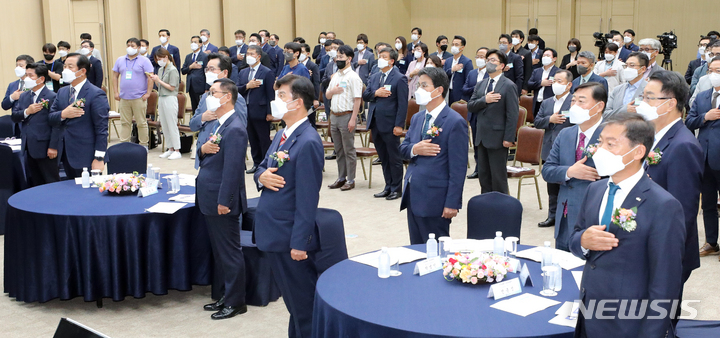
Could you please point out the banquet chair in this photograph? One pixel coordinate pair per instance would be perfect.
(126, 157)
(529, 150)
(527, 103)
(332, 239)
(367, 152)
(520, 122)
(491, 212)
(461, 108)
(7, 127)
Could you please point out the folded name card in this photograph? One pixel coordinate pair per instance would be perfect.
(504, 289)
(514, 264)
(147, 191)
(427, 266)
(525, 278)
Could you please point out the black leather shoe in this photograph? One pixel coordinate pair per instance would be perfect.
(376, 161)
(229, 312)
(547, 223)
(330, 157)
(383, 193)
(215, 306)
(393, 196)
(473, 175)
(251, 170)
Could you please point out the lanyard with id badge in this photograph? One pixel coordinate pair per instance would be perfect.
(128, 73)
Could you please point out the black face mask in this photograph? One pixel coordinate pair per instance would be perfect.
(341, 64)
(49, 56)
(443, 48)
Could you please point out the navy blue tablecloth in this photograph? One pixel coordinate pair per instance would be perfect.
(352, 301)
(16, 172)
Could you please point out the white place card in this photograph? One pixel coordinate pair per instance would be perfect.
(166, 207)
(567, 314)
(514, 264)
(427, 266)
(525, 304)
(577, 275)
(503, 289)
(525, 278)
(147, 191)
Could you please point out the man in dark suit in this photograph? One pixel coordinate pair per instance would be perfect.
(237, 52)
(653, 237)
(517, 38)
(415, 36)
(696, 63)
(569, 163)
(324, 59)
(473, 78)
(257, 87)
(457, 70)
(84, 130)
(437, 161)
(254, 40)
(95, 75)
(39, 139)
(15, 88)
(221, 198)
(276, 53)
(206, 46)
(623, 52)
(290, 191)
(234, 73)
(585, 64)
(540, 41)
(515, 69)
(442, 45)
(363, 57)
(387, 93)
(496, 103)
(194, 68)
(552, 119)
(681, 164)
(164, 36)
(535, 51)
(314, 78)
(542, 79)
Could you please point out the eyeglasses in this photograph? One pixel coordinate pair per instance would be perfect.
(716, 71)
(493, 60)
(212, 93)
(631, 65)
(646, 49)
(424, 85)
(211, 69)
(650, 99)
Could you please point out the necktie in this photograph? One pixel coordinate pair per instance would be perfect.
(426, 125)
(582, 80)
(194, 57)
(283, 139)
(490, 86)
(580, 148)
(714, 99)
(72, 95)
(252, 73)
(382, 79)
(607, 214)
(33, 97)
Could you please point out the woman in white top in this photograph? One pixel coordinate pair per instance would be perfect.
(611, 68)
(415, 67)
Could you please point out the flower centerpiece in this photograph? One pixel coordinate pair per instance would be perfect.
(123, 184)
(476, 268)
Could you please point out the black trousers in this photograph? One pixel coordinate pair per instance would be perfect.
(41, 171)
(553, 189)
(421, 227)
(473, 127)
(388, 149)
(710, 187)
(296, 280)
(259, 136)
(224, 233)
(492, 169)
(194, 100)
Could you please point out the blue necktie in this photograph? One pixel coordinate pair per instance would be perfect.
(607, 214)
(426, 125)
(490, 86)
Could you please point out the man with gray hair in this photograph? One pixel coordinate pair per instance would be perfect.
(651, 48)
(207, 47)
(585, 64)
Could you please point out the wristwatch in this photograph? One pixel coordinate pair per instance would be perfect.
(100, 158)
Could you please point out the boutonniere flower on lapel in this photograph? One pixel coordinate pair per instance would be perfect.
(281, 157)
(654, 157)
(79, 103)
(45, 103)
(625, 218)
(433, 131)
(590, 150)
(215, 138)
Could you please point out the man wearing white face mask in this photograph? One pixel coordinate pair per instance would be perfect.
(474, 77)
(610, 68)
(697, 83)
(206, 46)
(15, 88)
(542, 79)
(569, 163)
(624, 98)
(132, 89)
(363, 58)
(457, 69)
(95, 52)
(194, 68)
(535, 51)
(415, 35)
(515, 69)
(650, 230)
(651, 48)
(696, 63)
(164, 37)
(237, 52)
(517, 38)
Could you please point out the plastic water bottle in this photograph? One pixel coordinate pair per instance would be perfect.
(557, 280)
(431, 246)
(149, 171)
(384, 263)
(499, 244)
(546, 255)
(85, 178)
(175, 182)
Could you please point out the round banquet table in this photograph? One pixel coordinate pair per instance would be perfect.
(351, 301)
(63, 241)
(16, 180)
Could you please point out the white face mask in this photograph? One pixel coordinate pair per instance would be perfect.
(579, 115)
(213, 103)
(360, 47)
(649, 112)
(701, 50)
(162, 63)
(252, 43)
(648, 54)
(619, 44)
(417, 54)
(239, 42)
(414, 37)
(210, 78)
(30, 83)
(715, 79)
(382, 63)
(607, 163)
(85, 51)
(627, 39)
(143, 50)
(332, 53)
(279, 107)
(322, 41)
(630, 74)
(398, 45)
(480, 63)
(250, 60)
(429, 66)
(515, 41)
(455, 50)
(163, 40)
(19, 71)
(423, 97)
(609, 57)
(546, 60)
(302, 57)
(131, 51)
(203, 38)
(531, 46)
(707, 56)
(62, 53)
(68, 76)
(558, 89)
(194, 46)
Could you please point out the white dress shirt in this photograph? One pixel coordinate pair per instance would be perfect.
(624, 189)
(289, 130)
(345, 101)
(588, 135)
(35, 98)
(559, 103)
(545, 75)
(495, 82)
(481, 74)
(224, 118)
(433, 115)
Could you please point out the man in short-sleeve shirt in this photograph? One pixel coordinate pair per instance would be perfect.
(134, 90)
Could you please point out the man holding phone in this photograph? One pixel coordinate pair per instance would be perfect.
(625, 97)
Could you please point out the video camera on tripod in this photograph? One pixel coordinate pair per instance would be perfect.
(668, 42)
(601, 40)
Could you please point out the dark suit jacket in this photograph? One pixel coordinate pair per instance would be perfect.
(195, 82)
(212, 48)
(707, 136)
(624, 53)
(12, 87)
(458, 81)
(653, 273)
(316, 52)
(174, 51)
(440, 179)
(633, 47)
(526, 59)
(516, 74)
(541, 44)
(37, 135)
(593, 78)
(565, 60)
(95, 75)
(497, 121)
(680, 172)
(285, 219)
(221, 179)
(470, 83)
(535, 84)
(258, 99)
(391, 111)
(82, 135)
(241, 64)
(443, 56)
(363, 70)
(277, 59)
(542, 121)
(314, 77)
(694, 64)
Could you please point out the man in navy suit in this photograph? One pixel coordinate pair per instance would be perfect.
(221, 197)
(569, 163)
(630, 262)
(234, 73)
(363, 58)
(206, 46)
(535, 51)
(39, 139)
(164, 36)
(704, 115)
(305, 59)
(84, 130)
(585, 64)
(437, 160)
(95, 75)
(457, 70)
(623, 53)
(515, 69)
(15, 88)
(517, 38)
(194, 68)
(473, 78)
(257, 87)
(542, 79)
(681, 164)
(387, 93)
(285, 226)
(237, 52)
(415, 36)
(552, 119)
(697, 63)
(442, 45)
(276, 52)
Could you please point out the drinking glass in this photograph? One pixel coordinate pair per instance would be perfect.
(443, 243)
(395, 266)
(513, 245)
(95, 177)
(548, 273)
